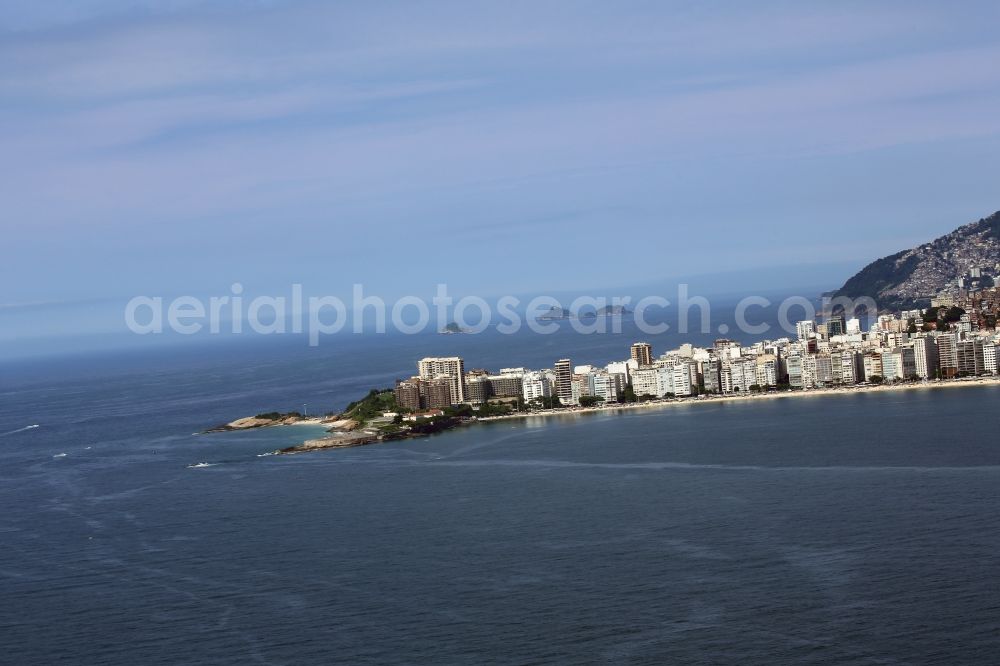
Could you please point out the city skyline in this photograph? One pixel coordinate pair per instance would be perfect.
(952, 339)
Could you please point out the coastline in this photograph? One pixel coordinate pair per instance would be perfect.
(662, 403)
(339, 439)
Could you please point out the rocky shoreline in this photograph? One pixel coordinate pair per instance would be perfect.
(250, 422)
(346, 432)
(334, 441)
(343, 432)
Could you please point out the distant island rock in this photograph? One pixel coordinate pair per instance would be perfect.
(452, 329)
(967, 258)
(556, 312)
(613, 311)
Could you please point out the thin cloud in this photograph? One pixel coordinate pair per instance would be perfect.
(186, 123)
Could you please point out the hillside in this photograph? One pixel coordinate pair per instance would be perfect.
(910, 278)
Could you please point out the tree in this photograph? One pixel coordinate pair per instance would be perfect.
(628, 394)
(953, 314)
(458, 410)
(546, 402)
(493, 409)
(876, 379)
(590, 400)
(277, 416)
(376, 403)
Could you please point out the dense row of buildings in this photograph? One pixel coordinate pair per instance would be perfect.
(836, 352)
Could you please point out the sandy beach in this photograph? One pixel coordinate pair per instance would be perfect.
(771, 395)
(343, 439)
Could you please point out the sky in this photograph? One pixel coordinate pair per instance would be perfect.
(178, 147)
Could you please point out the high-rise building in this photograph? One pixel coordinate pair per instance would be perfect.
(873, 365)
(436, 393)
(645, 381)
(925, 357)
(723, 345)
(836, 325)
(947, 344)
(809, 371)
(685, 377)
(852, 370)
(899, 363)
(739, 375)
(477, 389)
(767, 370)
(642, 353)
(620, 367)
(507, 384)
(451, 367)
(536, 385)
(824, 370)
(890, 362)
(837, 367)
(805, 329)
(710, 375)
(990, 358)
(794, 367)
(564, 381)
(606, 386)
(970, 357)
(908, 362)
(408, 394)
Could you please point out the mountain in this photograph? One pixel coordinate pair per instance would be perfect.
(912, 277)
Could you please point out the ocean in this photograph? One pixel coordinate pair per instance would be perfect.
(849, 529)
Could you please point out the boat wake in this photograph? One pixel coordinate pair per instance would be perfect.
(202, 464)
(12, 432)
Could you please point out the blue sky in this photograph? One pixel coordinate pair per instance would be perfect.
(173, 147)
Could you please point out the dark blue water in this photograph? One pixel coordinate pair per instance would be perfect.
(856, 529)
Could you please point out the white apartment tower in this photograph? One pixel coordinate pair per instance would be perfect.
(536, 385)
(451, 367)
(990, 358)
(925, 357)
(805, 329)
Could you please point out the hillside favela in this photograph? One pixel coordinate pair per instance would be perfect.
(532, 333)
